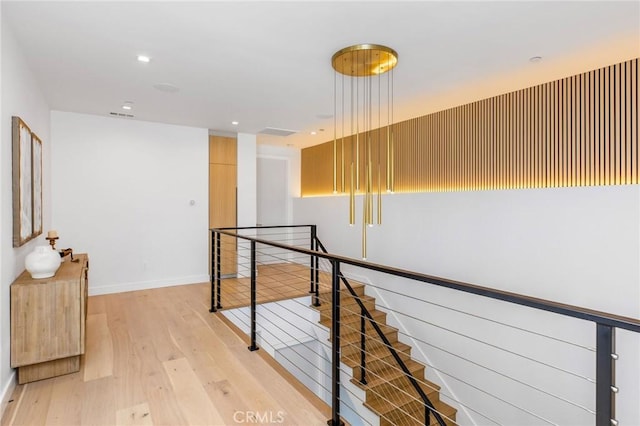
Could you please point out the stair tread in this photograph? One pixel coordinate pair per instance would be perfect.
(377, 350)
(349, 331)
(380, 354)
(373, 341)
(389, 374)
(344, 294)
(416, 416)
(378, 316)
(356, 286)
(347, 306)
(345, 299)
(382, 403)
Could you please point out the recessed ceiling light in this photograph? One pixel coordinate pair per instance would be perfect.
(145, 59)
(235, 123)
(166, 87)
(535, 59)
(313, 133)
(126, 106)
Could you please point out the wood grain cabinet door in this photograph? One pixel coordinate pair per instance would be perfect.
(223, 174)
(46, 321)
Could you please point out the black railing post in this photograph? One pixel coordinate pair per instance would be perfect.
(315, 287)
(213, 272)
(363, 349)
(312, 247)
(218, 257)
(335, 344)
(605, 375)
(253, 346)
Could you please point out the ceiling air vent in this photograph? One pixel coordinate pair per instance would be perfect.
(276, 132)
(119, 114)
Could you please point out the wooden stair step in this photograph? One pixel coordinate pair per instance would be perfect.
(392, 377)
(353, 328)
(380, 355)
(373, 340)
(378, 316)
(383, 403)
(349, 347)
(353, 350)
(413, 414)
(358, 288)
(348, 307)
(377, 365)
(345, 298)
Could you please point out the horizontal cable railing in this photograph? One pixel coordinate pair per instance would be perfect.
(366, 317)
(361, 334)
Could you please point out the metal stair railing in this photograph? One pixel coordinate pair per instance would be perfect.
(429, 407)
(606, 323)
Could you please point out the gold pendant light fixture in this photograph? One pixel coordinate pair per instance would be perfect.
(362, 85)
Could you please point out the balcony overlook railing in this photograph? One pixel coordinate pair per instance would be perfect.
(298, 255)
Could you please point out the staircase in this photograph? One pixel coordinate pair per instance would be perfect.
(389, 393)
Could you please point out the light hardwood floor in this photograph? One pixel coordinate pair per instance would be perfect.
(158, 357)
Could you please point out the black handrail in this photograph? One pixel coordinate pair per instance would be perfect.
(260, 227)
(605, 318)
(429, 408)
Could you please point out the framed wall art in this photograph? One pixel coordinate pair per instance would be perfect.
(36, 155)
(27, 183)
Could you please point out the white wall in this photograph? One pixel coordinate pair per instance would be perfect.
(579, 246)
(21, 97)
(123, 192)
(246, 179)
(549, 243)
(292, 155)
(272, 186)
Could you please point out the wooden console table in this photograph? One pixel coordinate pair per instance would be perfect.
(48, 319)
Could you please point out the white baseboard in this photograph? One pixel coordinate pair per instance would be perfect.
(7, 392)
(146, 285)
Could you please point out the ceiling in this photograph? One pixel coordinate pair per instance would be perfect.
(268, 64)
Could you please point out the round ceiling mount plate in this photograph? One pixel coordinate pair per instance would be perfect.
(363, 60)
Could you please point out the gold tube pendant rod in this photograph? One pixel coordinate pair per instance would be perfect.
(388, 159)
(379, 197)
(392, 159)
(335, 148)
(357, 136)
(364, 232)
(342, 188)
(370, 195)
(379, 200)
(365, 199)
(352, 199)
(352, 118)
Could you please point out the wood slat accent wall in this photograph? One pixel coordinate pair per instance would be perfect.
(577, 131)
